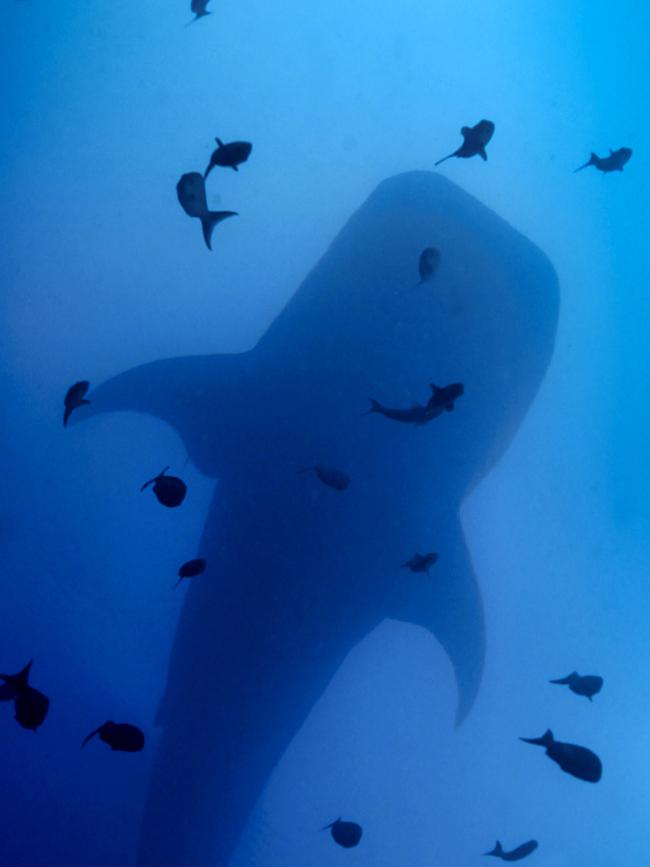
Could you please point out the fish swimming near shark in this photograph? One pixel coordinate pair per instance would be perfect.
(170, 491)
(191, 195)
(612, 163)
(428, 264)
(517, 854)
(255, 650)
(475, 140)
(441, 400)
(421, 562)
(346, 834)
(31, 705)
(588, 685)
(230, 155)
(120, 737)
(575, 760)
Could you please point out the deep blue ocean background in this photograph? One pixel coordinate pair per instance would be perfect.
(104, 107)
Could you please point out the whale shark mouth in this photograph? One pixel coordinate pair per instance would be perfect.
(300, 574)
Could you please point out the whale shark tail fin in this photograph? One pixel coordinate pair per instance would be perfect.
(211, 219)
(497, 851)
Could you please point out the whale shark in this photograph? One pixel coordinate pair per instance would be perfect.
(257, 645)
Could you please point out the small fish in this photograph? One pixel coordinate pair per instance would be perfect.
(475, 138)
(346, 834)
(515, 854)
(191, 569)
(191, 194)
(428, 264)
(229, 155)
(588, 685)
(169, 490)
(31, 706)
(441, 400)
(421, 562)
(613, 163)
(577, 761)
(199, 9)
(75, 398)
(121, 737)
(332, 478)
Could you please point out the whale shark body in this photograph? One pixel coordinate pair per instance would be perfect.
(257, 645)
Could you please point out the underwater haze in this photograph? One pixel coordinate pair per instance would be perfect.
(306, 674)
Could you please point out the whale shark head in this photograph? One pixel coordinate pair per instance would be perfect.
(255, 649)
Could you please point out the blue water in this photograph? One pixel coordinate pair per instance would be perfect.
(104, 107)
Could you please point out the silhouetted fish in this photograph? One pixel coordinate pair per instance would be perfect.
(121, 737)
(475, 138)
(346, 834)
(191, 194)
(199, 9)
(421, 562)
(577, 761)
(517, 854)
(588, 685)
(191, 569)
(332, 478)
(169, 490)
(441, 400)
(229, 155)
(428, 264)
(613, 163)
(31, 706)
(75, 398)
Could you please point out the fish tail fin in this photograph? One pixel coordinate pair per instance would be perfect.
(448, 157)
(331, 824)
(155, 479)
(375, 406)
(562, 680)
(20, 681)
(545, 741)
(211, 219)
(90, 736)
(498, 849)
(590, 162)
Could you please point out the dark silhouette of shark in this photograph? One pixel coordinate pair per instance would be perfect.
(258, 643)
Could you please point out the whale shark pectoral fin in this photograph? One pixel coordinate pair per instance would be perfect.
(183, 393)
(449, 606)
